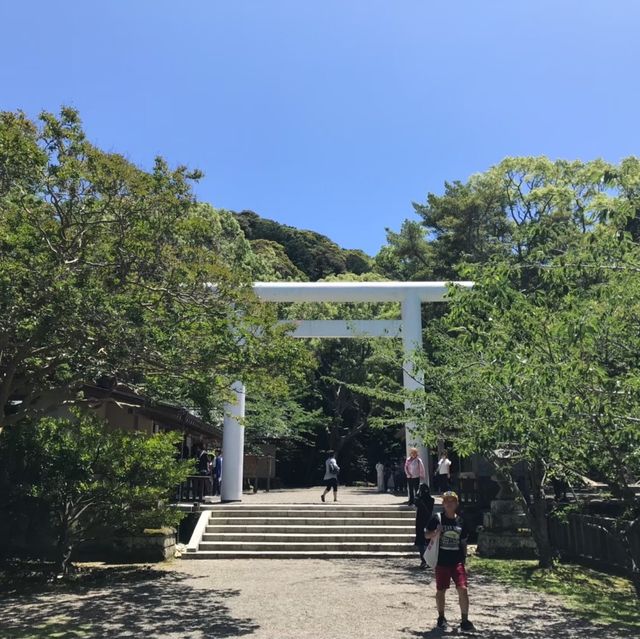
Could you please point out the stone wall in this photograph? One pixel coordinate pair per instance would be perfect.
(150, 546)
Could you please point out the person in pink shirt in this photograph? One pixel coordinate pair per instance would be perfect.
(414, 470)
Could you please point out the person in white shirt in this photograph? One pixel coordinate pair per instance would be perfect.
(380, 476)
(331, 476)
(443, 473)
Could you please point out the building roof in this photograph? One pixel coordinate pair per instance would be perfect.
(163, 412)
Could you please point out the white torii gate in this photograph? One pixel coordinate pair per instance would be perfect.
(411, 295)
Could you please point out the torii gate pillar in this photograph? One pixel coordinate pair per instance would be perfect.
(233, 446)
(411, 377)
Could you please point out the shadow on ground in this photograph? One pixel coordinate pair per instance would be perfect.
(125, 603)
(522, 626)
(499, 611)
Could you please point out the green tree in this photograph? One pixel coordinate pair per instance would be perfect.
(548, 377)
(520, 206)
(538, 362)
(312, 253)
(103, 275)
(274, 262)
(347, 400)
(90, 479)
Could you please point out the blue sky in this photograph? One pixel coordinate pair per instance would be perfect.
(332, 115)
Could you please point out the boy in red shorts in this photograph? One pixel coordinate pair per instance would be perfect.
(453, 533)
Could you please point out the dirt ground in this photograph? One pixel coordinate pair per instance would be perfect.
(283, 599)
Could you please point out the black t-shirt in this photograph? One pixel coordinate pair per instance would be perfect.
(454, 534)
(203, 462)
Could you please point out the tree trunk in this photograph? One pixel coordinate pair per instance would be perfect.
(537, 516)
(64, 548)
(635, 556)
(63, 555)
(635, 580)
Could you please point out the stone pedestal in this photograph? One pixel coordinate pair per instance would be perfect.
(504, 533)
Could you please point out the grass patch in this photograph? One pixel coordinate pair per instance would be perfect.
(598, 596)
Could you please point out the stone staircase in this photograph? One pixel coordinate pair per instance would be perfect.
(303, 531)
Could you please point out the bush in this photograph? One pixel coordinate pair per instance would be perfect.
(89, 479)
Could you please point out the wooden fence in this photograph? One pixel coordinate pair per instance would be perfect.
(589, 538)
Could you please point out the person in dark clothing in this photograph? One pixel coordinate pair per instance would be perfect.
(387, 476)
(202, 469)
(424, 509)
(216, 471)
(202, 462)
(399, 479)
(402, 478)
(453, 534)
(394, 474)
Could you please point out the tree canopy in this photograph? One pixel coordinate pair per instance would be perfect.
(103, 275)
(539, 362)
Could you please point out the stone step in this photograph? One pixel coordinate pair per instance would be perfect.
(304, 531)
(340, 546)
(291, 554)
(315, 506)
(286, 528)
(319, 513)
(319, 537)
(308, 521)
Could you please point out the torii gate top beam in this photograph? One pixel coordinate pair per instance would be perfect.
(353, 291)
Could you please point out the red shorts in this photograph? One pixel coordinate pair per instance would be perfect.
(444, 574)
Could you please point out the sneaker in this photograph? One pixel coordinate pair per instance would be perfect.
(442, 623)
(467, 626)
(322, 497)
(423, 564)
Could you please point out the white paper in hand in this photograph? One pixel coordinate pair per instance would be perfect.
(431, 553)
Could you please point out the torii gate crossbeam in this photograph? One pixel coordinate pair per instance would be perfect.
(411, 295)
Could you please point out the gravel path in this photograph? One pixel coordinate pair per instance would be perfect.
(283, 599)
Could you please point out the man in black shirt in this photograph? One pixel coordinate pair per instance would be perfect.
(453, 535)
(424, 509)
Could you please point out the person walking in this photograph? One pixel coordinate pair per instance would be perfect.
(424, 509)
(453, 533)
(443, 473)
(331, 470)
(380, 477)
(414, 470)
